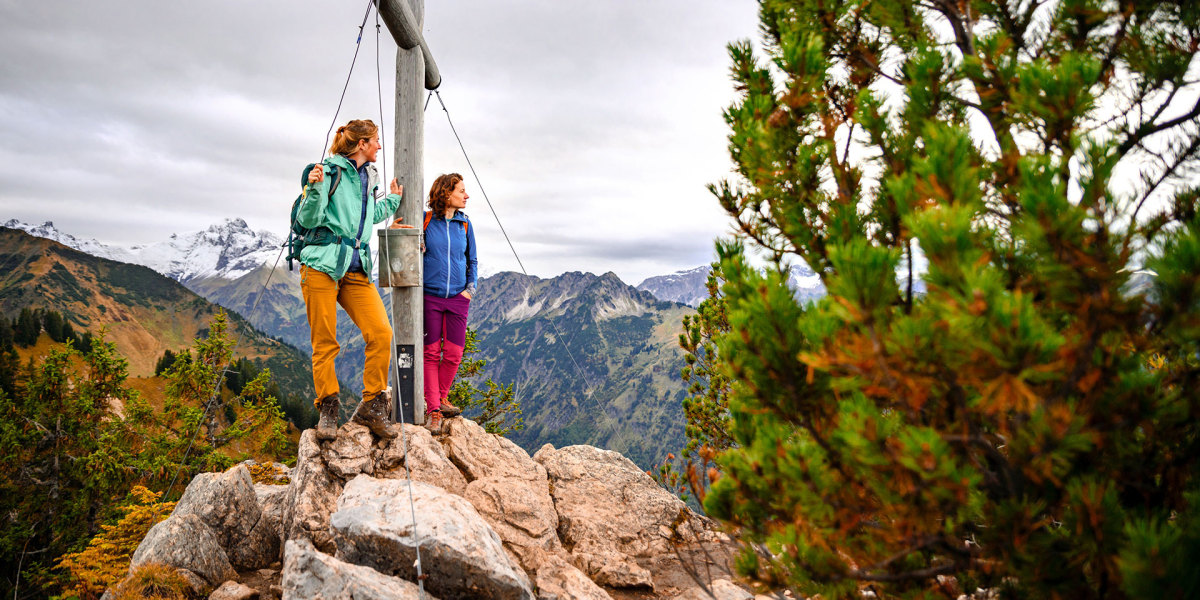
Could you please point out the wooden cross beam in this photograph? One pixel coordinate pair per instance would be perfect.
(401, 20)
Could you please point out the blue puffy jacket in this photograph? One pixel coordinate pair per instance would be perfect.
(451, 266)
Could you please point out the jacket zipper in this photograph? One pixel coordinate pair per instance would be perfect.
(447, 258)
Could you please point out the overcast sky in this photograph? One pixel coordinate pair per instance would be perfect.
(594, 126)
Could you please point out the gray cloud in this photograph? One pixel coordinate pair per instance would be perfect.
(594, 126)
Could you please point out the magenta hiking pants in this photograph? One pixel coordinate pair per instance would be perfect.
(445, 336)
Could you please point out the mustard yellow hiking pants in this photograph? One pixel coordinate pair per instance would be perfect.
(359, 297)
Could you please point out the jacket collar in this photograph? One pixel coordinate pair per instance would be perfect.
(341, 161)
(458, 216)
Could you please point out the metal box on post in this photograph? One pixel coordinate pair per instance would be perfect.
(400, 267)
(399, 257)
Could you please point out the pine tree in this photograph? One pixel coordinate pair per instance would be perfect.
(164, 362)
(27, 328)
(194, 397)
(6, 332)
(75, 438)
(63, 457)
(706, 406)
(494, 406)
(1028, 423)
(53, 323)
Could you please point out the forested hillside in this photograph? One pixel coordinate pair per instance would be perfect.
(145, 314)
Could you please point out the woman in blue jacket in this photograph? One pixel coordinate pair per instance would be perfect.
(451, 269)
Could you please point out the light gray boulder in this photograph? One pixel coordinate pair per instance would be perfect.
(558, 579)
(610, 512)
(267, 533)
(479, 454)
(522, 514)
(186, 543)
(350, 453)
(311, 497)
(612, 568)
(462, 556)
(311, 575)
(427, 461)
(227, 503)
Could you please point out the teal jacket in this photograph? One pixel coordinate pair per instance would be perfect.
(341, 214)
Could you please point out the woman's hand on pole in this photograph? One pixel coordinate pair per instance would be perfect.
(316, 175)
(396, 188)
(398, 225)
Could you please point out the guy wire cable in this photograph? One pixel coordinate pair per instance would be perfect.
(238, 341)
(557, 332)
(386, 255)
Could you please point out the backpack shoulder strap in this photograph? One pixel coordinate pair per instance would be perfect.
(428, 216)
(336, 174)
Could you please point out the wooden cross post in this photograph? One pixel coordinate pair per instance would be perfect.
(399, 249)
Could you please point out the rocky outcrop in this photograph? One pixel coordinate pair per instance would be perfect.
(479, 454)
(228, 504)
(311, 498)
(558, 579)
(322, 470)
(491, 522)
(610, 513)
(188, 544)
(427, 461)
(521, 512)
(309, 574)
(462, 556)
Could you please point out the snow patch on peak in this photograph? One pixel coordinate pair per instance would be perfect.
(523, 311)
(620, 306)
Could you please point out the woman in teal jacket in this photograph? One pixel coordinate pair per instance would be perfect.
(339, 272)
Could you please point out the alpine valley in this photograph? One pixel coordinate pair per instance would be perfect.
(593, 360)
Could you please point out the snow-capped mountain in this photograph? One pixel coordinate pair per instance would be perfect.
(686, 287)
(93, 247)
(689, 286)
(229, 250)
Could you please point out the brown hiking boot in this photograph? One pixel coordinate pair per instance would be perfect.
(327, 425)
(450, 410)
(373, 414)
(433, 422)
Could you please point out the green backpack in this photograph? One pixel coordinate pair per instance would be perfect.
(298, 236)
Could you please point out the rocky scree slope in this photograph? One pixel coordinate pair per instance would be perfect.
(491, 522)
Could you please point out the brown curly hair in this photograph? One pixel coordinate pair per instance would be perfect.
(348, 135)
(440, 191)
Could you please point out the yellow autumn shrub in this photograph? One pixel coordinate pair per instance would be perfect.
(105, 560)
